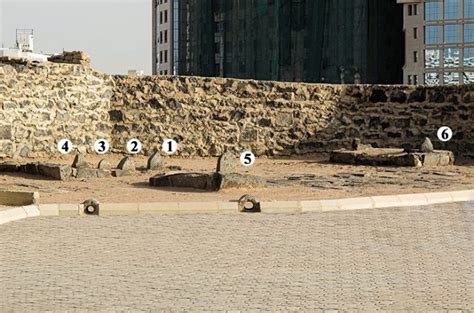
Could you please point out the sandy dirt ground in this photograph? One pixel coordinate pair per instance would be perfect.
(310, 177)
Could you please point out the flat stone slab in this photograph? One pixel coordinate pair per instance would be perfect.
(392, 157)
(210, 182)
(9, 167)
(235, 180)
(187, 180)
(55, 171)
(51, 170)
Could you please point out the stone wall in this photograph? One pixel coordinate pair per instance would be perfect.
(42, 103)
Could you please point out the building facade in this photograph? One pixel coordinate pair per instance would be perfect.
(333, 41)
(439, 37)
(165, 37)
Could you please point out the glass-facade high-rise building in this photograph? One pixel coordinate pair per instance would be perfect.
(439, 41)
(332, 41)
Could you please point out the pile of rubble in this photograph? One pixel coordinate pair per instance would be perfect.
(73, 57)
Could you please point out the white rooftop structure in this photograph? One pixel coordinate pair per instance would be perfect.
(24, 47)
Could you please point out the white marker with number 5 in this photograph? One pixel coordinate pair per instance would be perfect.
(65, 146)
(445, 133)
(247, 158)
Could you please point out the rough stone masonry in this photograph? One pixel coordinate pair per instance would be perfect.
(41, 103)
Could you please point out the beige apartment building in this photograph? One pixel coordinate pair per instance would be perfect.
(439, 41)
(163, 37)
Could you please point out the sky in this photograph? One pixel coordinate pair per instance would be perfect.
(116, 33)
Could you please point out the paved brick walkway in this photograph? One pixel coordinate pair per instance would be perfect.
(399, 259)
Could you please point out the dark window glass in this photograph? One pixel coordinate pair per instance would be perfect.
(451, 33)
(432, 11)
(469, 8)
(432, 35)
(469, 32)
(451, 9)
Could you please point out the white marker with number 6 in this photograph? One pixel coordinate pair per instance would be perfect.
(134, 146)
(101, 146)
(247, 158)
(170, 146)
(445, 133)
(65, 146)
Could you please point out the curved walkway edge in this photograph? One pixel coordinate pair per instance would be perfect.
(362, 203)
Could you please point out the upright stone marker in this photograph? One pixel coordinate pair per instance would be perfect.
(426, 146)
(104, 165)
(126, 164)
(155, 161)
(227, 163)
(80, 162)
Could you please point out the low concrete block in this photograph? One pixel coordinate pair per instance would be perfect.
(329, 205)
(438, 197)
(118, 208)
(311, 206)
(381, 202)
(31, 210)
(462, 196)
(15, 214)
(69, 209)
(228, 207)
(198, 207)
(413, 199)
(49, 209)
(18, 198)
(280, 207)
(159, 207)
(4, 217)
(362, 203)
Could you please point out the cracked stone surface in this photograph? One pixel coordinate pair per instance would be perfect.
(411, 259)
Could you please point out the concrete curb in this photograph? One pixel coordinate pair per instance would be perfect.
(287, 207)
(18, 213)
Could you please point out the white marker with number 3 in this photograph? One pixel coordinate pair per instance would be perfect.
(101, 146)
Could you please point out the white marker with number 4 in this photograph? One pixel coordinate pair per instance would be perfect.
(445, 133)
(65, 146)
(247, 158)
